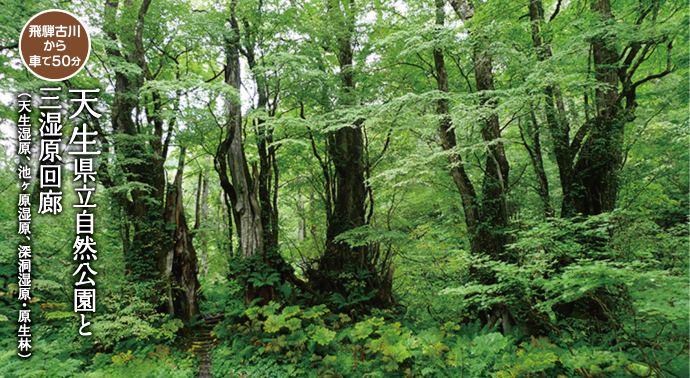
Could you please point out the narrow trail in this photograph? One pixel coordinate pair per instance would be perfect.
(204, 342)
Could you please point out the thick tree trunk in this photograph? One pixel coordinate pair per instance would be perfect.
(266, 174)
(181, 265)
(495, 184)
(490, 233)
(151, 253)
(240, 187)
(140, 164)
(590, 183)
(268, 169)
(600, 158)
(492, 225)
(346, 151)
(245, 205)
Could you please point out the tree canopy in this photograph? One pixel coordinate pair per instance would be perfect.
(352, 188)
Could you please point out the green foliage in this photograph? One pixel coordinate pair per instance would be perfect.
(560, 263)
(145, 361)
(128, 315)
(305, 342)
(607, 274)
(601, 296)
(263, 278)
(57, 356)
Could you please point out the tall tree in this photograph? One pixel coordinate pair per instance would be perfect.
(181, 263)
(486, 216)
(142, 160)
(590, 161)
(241, 187)
(254, 47)
(347, 187)
(232, 159)
(139, 125)
(470, 201)
(202, 214)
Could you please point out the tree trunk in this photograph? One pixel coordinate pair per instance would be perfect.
(181, 266)
(489, 226)
(446, 133)
(140, 165)
(494, 187)
(301, 227)
(600, 158)
(590, 183)
(268, 169)
(245, 206)
(240, 188)
(346, 151)
(555, 116)
(202, 216)
(151, 254)
(491, 223)
(532, 142)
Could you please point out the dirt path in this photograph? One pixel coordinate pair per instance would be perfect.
(204, 342)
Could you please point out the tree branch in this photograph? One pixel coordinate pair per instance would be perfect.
(667, 71)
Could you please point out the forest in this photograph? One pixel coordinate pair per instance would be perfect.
(350, 188)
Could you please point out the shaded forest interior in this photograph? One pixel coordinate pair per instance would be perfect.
(419, 188)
